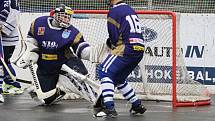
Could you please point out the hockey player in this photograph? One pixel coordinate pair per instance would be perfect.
(9, 14)
(48, 44)
(127, 48)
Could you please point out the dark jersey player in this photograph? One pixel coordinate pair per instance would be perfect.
(127, 48)
(48, 44)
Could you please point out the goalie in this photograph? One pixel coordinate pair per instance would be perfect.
(49, 44)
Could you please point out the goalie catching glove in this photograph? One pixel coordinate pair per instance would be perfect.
(29, 55)
(95, 53)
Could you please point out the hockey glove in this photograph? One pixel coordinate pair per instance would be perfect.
(26, 59)
(109, 44)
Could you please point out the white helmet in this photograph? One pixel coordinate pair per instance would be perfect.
(62, 15)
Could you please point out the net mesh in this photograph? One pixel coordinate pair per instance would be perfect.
(152, 79)
(183, 6)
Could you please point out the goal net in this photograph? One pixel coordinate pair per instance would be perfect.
(162, 74)
(183, 6)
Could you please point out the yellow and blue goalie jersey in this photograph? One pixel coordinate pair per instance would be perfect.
(54, 43)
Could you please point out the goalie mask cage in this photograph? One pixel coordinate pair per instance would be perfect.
(162, 74)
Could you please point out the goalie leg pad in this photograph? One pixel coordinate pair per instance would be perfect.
(82, 89)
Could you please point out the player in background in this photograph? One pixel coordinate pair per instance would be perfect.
(49, 44)
(127, 48)
(9, 14)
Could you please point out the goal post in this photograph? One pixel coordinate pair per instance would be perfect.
(163, 72)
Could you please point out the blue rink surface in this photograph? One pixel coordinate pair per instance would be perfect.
(23, 108)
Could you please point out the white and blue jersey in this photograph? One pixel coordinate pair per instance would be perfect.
(10, 34)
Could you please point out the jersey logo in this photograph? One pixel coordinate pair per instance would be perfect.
(66, 33)
(149, 34)
(41, 31)
(49, 44)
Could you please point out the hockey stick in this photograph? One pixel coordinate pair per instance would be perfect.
(8, 70)
(11, 75)
(22, 44)
(24, 81)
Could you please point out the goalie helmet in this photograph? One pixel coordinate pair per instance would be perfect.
(110, 2)
(62, 15)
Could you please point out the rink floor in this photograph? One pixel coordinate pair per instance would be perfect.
(23, 108)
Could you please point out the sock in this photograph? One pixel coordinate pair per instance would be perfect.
(128, 93)
(107, 87)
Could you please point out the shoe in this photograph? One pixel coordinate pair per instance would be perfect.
(10, 89)
(140, 109)
(102, 112)
(99, 112)
(1, 98)
(110, 113)
(98, 108)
